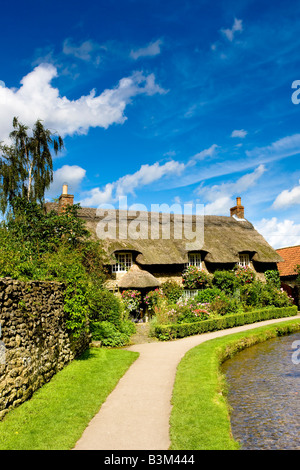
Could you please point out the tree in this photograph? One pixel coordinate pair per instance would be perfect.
(26, 169)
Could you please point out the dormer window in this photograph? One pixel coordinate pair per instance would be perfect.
(123, 262)
(194, 260)
(244, 260)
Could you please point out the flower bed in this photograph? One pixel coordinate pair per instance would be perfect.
(195, 278)
(132, 299)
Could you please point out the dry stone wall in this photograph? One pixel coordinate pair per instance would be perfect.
(34, 341)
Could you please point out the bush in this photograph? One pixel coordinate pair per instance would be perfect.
(258, 294)
(207, 295)
(226, 281)
(109, 334)
(244, 275)
(172, 290)
(131, 299)
(153, 298)
(104, 306)
(272, 277)
(222, 305)
(192, 313)
(195, 278)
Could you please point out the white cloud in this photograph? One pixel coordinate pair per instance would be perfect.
(219, 207)
(221, 197)
(220, 194)
(150, 50)
(209, 152)
(87, 51)
(127, 184)
(97, 196)
(239, 133)
(287, 198)
(279, 234)
(72, 175)
(281, 148)
(237, 26)
(38, 99)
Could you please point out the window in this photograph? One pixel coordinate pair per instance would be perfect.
(189, 293)
(244, 260)
(123, 262)
(194, 260)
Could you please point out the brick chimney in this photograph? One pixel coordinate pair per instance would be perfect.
(237, 210)
(65, 199)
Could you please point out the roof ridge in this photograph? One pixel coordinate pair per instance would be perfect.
(286, 247)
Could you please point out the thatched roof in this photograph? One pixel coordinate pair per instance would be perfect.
(137, 278)
(219, 238)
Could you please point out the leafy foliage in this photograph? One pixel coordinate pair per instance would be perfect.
(132, 299)
(172, 290)
(226, 281)
(152, 299)
(273, 278)
(110, 335)
(26, 169)
(57, 247)
(195, 278)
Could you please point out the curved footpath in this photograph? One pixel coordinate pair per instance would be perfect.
(136, 414)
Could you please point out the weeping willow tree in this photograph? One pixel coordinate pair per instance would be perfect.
(26, 169)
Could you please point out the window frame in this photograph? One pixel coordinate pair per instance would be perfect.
(244, 260)
(191, 255)
(124, 265)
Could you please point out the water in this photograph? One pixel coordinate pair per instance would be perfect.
(264, 393)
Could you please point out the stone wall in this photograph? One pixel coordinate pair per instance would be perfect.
(34, 342)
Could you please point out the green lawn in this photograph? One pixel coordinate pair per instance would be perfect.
(200, 418)
(57, 414)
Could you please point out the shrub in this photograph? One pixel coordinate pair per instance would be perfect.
(272, 277)
(250, 294)
(195, 278)
(258, 294)
(275, 297)
(132, 300)
(223, 305)
(244, 275)
(104, 306)
(226, 281)
(172, 290)
(191, 313)
(152, 299)
(207, 295)
(109, 334)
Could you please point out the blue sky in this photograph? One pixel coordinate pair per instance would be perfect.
(172, 102)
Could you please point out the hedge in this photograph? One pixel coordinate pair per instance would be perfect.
(167, 332)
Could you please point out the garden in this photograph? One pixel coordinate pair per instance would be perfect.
(220, 300)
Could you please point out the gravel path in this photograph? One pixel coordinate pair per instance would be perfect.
(136, 414)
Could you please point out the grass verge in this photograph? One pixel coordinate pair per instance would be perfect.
(200, 418)
(57, 414)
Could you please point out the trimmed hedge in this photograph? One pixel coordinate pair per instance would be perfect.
(167, 332)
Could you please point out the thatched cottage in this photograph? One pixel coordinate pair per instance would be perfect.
(148, 248)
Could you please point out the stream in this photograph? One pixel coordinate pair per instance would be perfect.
(264, 394)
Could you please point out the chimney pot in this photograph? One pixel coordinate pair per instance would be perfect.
(65, 189)
(237, 210)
